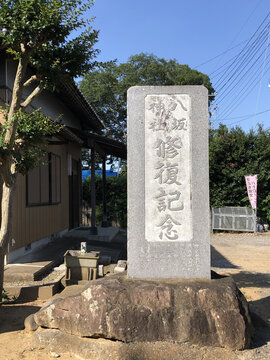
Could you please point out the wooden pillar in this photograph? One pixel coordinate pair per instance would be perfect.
(104, 220)
(93, 192)
(2, 259)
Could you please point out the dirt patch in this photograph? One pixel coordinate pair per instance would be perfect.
(15, 342)
(245, 257)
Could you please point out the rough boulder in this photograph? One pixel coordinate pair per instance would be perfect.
(204, 312)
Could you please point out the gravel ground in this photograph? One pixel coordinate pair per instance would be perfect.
(246, 257)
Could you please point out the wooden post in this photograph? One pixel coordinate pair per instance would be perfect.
(255, 219)
(104, 221)
(2, 257)
(93, 192)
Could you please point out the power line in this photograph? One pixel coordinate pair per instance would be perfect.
(247, 57)
(245, 51)
(210, 75)
(245, 90)
(241, 64)
(263, 68)
(242, 118)
(250, 15)
(244, 74)
(217, 56)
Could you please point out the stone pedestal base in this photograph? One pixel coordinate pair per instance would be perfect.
(202, 312)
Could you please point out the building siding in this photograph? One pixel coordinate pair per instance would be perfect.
(33, 223)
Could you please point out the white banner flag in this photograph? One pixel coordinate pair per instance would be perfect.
(251, 183)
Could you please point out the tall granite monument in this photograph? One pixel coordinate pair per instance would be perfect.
(168, 182)
(168, 237)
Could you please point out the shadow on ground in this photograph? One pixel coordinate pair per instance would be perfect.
(261, 338)
(262, 309)
(218, 260)
(261, 327)
(55, 250)
(248, 279)
(12, 316)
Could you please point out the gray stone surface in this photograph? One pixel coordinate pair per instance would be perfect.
(121, 266)
(101, 270)
(168, 182)
(202, 312)
(104, 349)
(30, 324)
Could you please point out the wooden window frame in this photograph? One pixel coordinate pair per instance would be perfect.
(58, 186)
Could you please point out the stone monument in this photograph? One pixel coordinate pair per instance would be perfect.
(168, 182)
(168, 237)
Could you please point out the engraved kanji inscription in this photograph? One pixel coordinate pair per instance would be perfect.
(167, 113)
(167, 168)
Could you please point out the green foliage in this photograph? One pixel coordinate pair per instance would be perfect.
(106, 87)
(31, 138)
(41, 33)
(45, 29)
(233, 154)
(116, 198)
(4, 298)
(86, 158)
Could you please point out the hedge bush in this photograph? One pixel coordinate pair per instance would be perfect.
(116, 198)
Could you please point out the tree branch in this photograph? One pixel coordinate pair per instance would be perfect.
(32, 96)
(23, 49)
(32, 79)
(16, 99)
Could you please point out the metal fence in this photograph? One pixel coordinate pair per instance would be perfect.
(234, 218)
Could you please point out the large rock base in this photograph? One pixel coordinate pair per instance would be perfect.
(102, 349)
(202, 312)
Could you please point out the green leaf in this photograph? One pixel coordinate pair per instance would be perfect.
(106, 87)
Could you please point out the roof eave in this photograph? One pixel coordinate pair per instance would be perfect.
(88, 117)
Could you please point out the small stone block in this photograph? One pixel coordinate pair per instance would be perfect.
(83, 247)
(101, 270)
(47, 291)
(122, 263)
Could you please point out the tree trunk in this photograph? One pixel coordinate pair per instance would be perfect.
(7, 167)
(6, 222)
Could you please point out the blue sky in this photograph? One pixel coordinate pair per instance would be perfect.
(193, 32)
